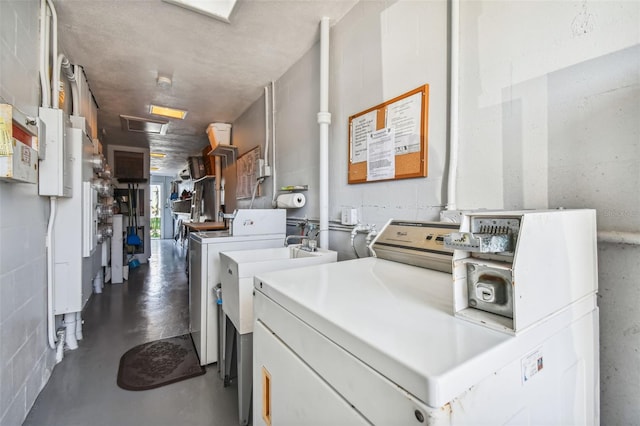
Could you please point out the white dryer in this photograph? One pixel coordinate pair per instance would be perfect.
(382, 340)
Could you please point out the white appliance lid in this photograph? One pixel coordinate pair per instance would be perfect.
(224, 237)
(396, 318)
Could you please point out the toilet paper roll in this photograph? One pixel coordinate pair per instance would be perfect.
(291, 201)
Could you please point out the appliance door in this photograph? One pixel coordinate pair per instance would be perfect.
(279, 400)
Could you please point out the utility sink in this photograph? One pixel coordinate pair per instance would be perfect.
(237, 269)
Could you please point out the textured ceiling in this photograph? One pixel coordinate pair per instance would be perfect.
(218, 69)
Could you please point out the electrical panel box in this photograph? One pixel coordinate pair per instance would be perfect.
(18, 160)
(20, 165)
(76, 259)
(55, 169)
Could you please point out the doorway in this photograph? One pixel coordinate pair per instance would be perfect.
(161, 216)
(156, 211)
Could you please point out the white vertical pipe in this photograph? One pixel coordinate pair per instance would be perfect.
(55, 85)
(79, 335)
(454, 55)
(60, 345)
(266, 125)
(218, 182)
(324, 119)
(51, 328)
(55, 81)
(273, 143)
(70, 324)
(44, 60)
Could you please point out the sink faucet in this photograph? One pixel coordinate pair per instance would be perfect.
(287, 241)
(308, 241)
(229, 217)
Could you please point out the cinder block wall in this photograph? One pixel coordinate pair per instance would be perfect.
(25, 359)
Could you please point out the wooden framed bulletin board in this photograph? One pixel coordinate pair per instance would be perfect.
(389, 141)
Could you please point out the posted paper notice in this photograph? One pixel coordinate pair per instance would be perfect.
(404, 117)
(381, 157)
(361, 127)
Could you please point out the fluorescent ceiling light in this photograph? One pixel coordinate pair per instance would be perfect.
(218, 9)
(158, 154)
(167, 112)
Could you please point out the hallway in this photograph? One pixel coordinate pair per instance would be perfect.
(152, 304)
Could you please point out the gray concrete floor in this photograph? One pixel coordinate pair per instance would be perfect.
(152, 304)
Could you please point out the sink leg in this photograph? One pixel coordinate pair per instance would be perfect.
(230, 343)
(245, 376)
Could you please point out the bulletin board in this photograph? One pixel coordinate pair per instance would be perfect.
(389, 141)
(247, 174)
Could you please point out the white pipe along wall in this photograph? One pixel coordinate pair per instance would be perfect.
(615, 237)
(46, 97)
(273, 143)
(454, 60)
(324, 119)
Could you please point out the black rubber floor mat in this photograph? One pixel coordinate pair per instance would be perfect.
(159, 363)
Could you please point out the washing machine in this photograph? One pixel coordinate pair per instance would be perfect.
(249, 229)
(492, 321)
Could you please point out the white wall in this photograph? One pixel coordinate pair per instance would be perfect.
(365, 71)
(549, 107)
(247, 133)
(25, 360)
(550, 117)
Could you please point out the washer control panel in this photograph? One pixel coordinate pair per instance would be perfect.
(416, 243)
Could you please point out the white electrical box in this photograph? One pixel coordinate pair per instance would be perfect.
(76, 260)
(349, 216)
(55, 169)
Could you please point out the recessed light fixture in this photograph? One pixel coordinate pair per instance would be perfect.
(157, 154)
(219, 9)
(143, 125)
(153, 169)
(167, 112)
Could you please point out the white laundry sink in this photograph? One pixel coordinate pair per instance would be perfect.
(237, 269)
